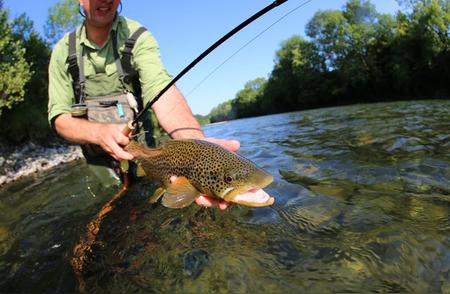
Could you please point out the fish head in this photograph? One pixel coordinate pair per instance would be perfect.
(242, 183)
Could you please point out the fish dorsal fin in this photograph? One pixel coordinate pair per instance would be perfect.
(163, 141)
(180, 193)
(141, 152)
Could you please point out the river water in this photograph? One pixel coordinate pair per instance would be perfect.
(362, 204)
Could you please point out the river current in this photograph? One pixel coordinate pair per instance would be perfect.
(362, 204)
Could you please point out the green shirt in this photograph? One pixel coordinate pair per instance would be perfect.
(100, 68)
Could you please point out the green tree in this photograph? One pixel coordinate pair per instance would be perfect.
(63, 17)
(202, 119)
(247, 102)
(345, 39)
(429, 42)
(421, 52)
(356, 66)
(222, 112)
(15, 71)
(410, 5)
(28, 118)
(381, 53)
(297, 78)
(329, 31)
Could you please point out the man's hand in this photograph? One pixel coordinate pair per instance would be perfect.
(207, 201)
(232, 145)
(111, 139)
(81, 131)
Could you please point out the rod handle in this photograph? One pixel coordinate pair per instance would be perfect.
(129, 128)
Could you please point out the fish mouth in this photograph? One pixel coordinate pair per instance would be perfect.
(254, 196)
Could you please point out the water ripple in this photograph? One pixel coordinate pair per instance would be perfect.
(362, 205)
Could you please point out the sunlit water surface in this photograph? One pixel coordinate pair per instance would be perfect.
(362, 204)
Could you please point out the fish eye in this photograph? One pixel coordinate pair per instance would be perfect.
(229, 179)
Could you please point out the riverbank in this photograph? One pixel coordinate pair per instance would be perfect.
(21, 161)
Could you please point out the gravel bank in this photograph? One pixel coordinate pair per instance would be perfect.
(30, 158)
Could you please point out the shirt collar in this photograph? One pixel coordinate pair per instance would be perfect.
(86, 42)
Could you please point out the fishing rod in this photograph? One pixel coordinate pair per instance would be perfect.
(131, 125)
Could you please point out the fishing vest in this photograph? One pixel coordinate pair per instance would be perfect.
(114, 108)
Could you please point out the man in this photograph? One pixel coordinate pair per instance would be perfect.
(95, 39)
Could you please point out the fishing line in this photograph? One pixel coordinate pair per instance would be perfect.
(245, 45)
(131, 125)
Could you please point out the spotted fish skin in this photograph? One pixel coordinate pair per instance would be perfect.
(208, 167)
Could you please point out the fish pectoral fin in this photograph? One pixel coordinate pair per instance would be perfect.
(157, 194)
(140, 172)
(180, 193)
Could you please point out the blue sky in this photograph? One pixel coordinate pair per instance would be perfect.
(184, 29)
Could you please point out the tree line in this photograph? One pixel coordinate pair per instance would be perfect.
(350, 55)
(24, 59)
(354, 55)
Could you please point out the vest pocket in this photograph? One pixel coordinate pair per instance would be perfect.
(109, 109)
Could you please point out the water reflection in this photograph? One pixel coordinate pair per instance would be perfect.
(362, 204)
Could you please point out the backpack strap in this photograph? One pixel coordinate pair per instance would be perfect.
(125, 70)
(73, 66)
(127, 54)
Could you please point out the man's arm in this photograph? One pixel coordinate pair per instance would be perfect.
(176, 118)
(82, 131)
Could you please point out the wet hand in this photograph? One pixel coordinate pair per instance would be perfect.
(232, 145)
(111, 139)
(207, 201)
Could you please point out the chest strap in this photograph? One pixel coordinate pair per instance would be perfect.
(128, 69)
(73, 66)
(125, 70)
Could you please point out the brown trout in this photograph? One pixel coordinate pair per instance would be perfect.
(190, 168)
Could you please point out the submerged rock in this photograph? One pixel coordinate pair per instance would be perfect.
(194, 261)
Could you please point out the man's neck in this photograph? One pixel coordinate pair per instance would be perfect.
(98, 35)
